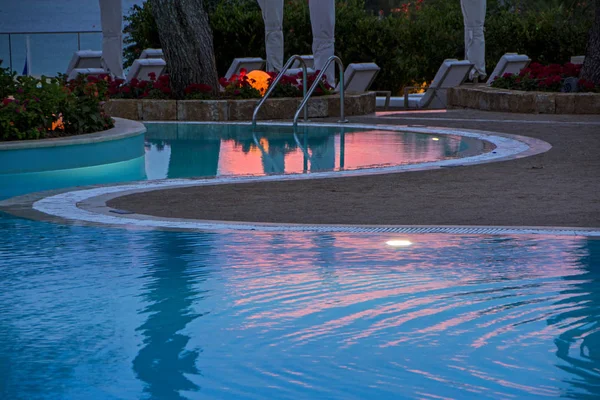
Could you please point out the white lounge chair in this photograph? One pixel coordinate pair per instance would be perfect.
(296, 68)
(309, 60)
(359, 77)
(141, 69)
(151, 53)
(83, 59)
(577, 59)
(510, 63)
(452, 73)
(250, 64)
(86, 71)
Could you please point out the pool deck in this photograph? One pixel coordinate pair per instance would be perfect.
(558, 188)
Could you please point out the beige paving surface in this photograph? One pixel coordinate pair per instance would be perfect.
(558, 188)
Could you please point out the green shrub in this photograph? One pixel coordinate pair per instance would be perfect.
(7, 82)
(40, 108)
(409, 46)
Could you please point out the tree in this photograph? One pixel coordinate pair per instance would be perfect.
(591, 65)
(187, 42)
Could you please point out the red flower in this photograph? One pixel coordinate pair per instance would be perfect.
(586, 85)
(6, 102)
(152, 76)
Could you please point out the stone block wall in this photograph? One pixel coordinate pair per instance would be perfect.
(237, 110)
(503, 100)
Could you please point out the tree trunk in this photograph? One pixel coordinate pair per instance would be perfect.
(591, 65)
(187, 43)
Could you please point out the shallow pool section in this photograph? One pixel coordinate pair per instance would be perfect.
(101, 313)
(208, 150)
(192, 150)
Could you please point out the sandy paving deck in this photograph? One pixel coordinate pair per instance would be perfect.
(558, 188)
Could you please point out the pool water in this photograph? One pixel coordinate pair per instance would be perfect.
(200, 150)
(187, 150)
(101, 313)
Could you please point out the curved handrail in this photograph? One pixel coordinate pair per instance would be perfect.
(287, 66)
(316, 83)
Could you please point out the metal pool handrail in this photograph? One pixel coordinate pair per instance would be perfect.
(314, 86)
(276, 81)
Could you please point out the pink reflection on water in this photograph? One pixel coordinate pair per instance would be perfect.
(357, 278)
(361, 150)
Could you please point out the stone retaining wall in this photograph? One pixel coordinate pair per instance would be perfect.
(237, 110)
(503, 100)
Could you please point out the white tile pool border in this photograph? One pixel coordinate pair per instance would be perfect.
(89, 205)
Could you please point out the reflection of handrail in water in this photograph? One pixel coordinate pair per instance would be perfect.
(304, 151)
(267, 156)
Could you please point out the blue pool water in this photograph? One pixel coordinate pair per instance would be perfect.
(99, 313)
(183, 151)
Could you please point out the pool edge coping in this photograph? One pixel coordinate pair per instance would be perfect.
(123, 129)
(95, 205)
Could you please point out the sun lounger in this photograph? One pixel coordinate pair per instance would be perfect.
(151, 53)
(510, 63)
(86, 71)
(309, 60)
(141, 69)
(249, 64)
(84, 59)
(452, 73)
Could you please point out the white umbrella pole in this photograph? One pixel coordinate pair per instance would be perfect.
(272, 11)
(474, 19)
(322, 18)
(111, 15)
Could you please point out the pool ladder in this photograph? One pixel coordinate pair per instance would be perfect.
(281, 74)
(306, 94)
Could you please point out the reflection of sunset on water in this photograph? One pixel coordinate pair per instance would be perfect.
(237, 152)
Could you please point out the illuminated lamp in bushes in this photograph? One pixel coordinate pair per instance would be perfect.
(259, 80)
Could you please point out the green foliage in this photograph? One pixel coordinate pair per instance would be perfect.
(238, 31)
(140, 31)
(36, 105)
(7, 82)
(409, 45)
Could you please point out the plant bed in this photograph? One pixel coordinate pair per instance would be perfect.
(123, 142)
(32, 108)
(487, 98)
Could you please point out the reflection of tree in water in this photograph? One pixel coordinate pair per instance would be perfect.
(194, 158)
(163, 362)
(583, 326)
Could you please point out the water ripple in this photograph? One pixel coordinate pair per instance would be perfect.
(95, 313)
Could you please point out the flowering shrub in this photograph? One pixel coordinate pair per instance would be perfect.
(549, 78)
(136, 89)
(291, 85)
(408, 45)
(38, 108)
(240, 86)
(198, 91)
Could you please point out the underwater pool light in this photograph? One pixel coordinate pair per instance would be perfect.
(398, 243)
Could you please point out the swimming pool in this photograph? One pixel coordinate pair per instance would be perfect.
(100, 313)
(207, 150)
